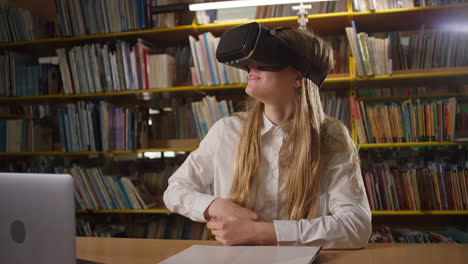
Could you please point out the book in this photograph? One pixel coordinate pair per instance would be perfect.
(198, 254)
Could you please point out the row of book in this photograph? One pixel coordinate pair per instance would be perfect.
(413, 91)
(386, 234)
(156, 181)
(370, 53)
(208, 111)
(89, 126)
(164, 227)
(80, 17)
(25, 135)
(29, 111)
(408, 121)
(384, 53)
(93, 68)
(425, 49)
(375, 5)
(94, 190)
(20, 25)
(118, 67)
(336, 106)
(207, 70)
(258, 12)
(22, 75)
(436, 186)
(173, 122)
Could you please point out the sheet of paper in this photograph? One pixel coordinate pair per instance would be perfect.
(198, 254)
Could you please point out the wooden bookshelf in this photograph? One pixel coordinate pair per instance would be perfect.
(410, 144)
(190, 149)
(342, 78)
(126, 211)
(323, 24)
(15, 117)
(445, 212)
(48, 46)
(387, 98)
(332, 79)
(418, 74)
(167, 212)
(86, 153)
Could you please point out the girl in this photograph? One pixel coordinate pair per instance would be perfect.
(283, 173)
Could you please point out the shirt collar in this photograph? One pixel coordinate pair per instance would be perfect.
(267, 125)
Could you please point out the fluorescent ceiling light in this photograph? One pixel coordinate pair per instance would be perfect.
(244, 3)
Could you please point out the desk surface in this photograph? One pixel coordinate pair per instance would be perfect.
(145, 251)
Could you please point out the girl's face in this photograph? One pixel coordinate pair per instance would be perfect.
(271, 87)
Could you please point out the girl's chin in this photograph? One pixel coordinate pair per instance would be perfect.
(252, 92)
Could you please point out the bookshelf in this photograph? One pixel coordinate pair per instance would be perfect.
(333, 79)
(409, 145)
(323, 24)
(143, 211)
(375, 213)
(446, 212)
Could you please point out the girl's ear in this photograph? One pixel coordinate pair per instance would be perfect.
(298, 80)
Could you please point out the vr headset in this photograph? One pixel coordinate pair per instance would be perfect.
(241, 45)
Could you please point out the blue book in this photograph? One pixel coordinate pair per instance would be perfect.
(197, 121)
(123, 192)
(211, 59)
(95, 187)
(61, 128)
(106, 180)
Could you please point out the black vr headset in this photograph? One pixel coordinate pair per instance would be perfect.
(241, 45)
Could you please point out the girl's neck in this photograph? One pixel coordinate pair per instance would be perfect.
(279, 114)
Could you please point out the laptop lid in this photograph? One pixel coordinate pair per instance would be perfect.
(37, 218)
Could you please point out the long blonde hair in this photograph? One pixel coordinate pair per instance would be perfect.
(302, 154)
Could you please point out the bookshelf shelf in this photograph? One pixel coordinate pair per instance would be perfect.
(14, 117)
(115, 152)
(165, 211)
(408, 10)
(333, 79)
(153, 33)
(122, 93)
(129, 211)
(411, 144)
(418, 74)
(384, 98)
(447, 212)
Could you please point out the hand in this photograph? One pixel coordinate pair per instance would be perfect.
(222, 207)
(231, 230)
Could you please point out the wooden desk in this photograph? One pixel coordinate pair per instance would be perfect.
(144, 251)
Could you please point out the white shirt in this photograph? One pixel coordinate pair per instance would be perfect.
(343, 217)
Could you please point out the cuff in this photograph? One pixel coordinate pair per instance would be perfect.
(287, 232)
(199, 206)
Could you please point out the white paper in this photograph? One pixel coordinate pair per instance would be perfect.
(198, 254)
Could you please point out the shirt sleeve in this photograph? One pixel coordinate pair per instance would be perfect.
(349, 222)
(187, 189)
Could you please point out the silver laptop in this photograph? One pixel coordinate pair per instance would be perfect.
(37, 218)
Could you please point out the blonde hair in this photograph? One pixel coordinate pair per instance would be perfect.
(302, 154)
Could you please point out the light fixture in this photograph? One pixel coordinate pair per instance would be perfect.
(244, 3)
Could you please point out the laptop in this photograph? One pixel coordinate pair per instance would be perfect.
(37, 218)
